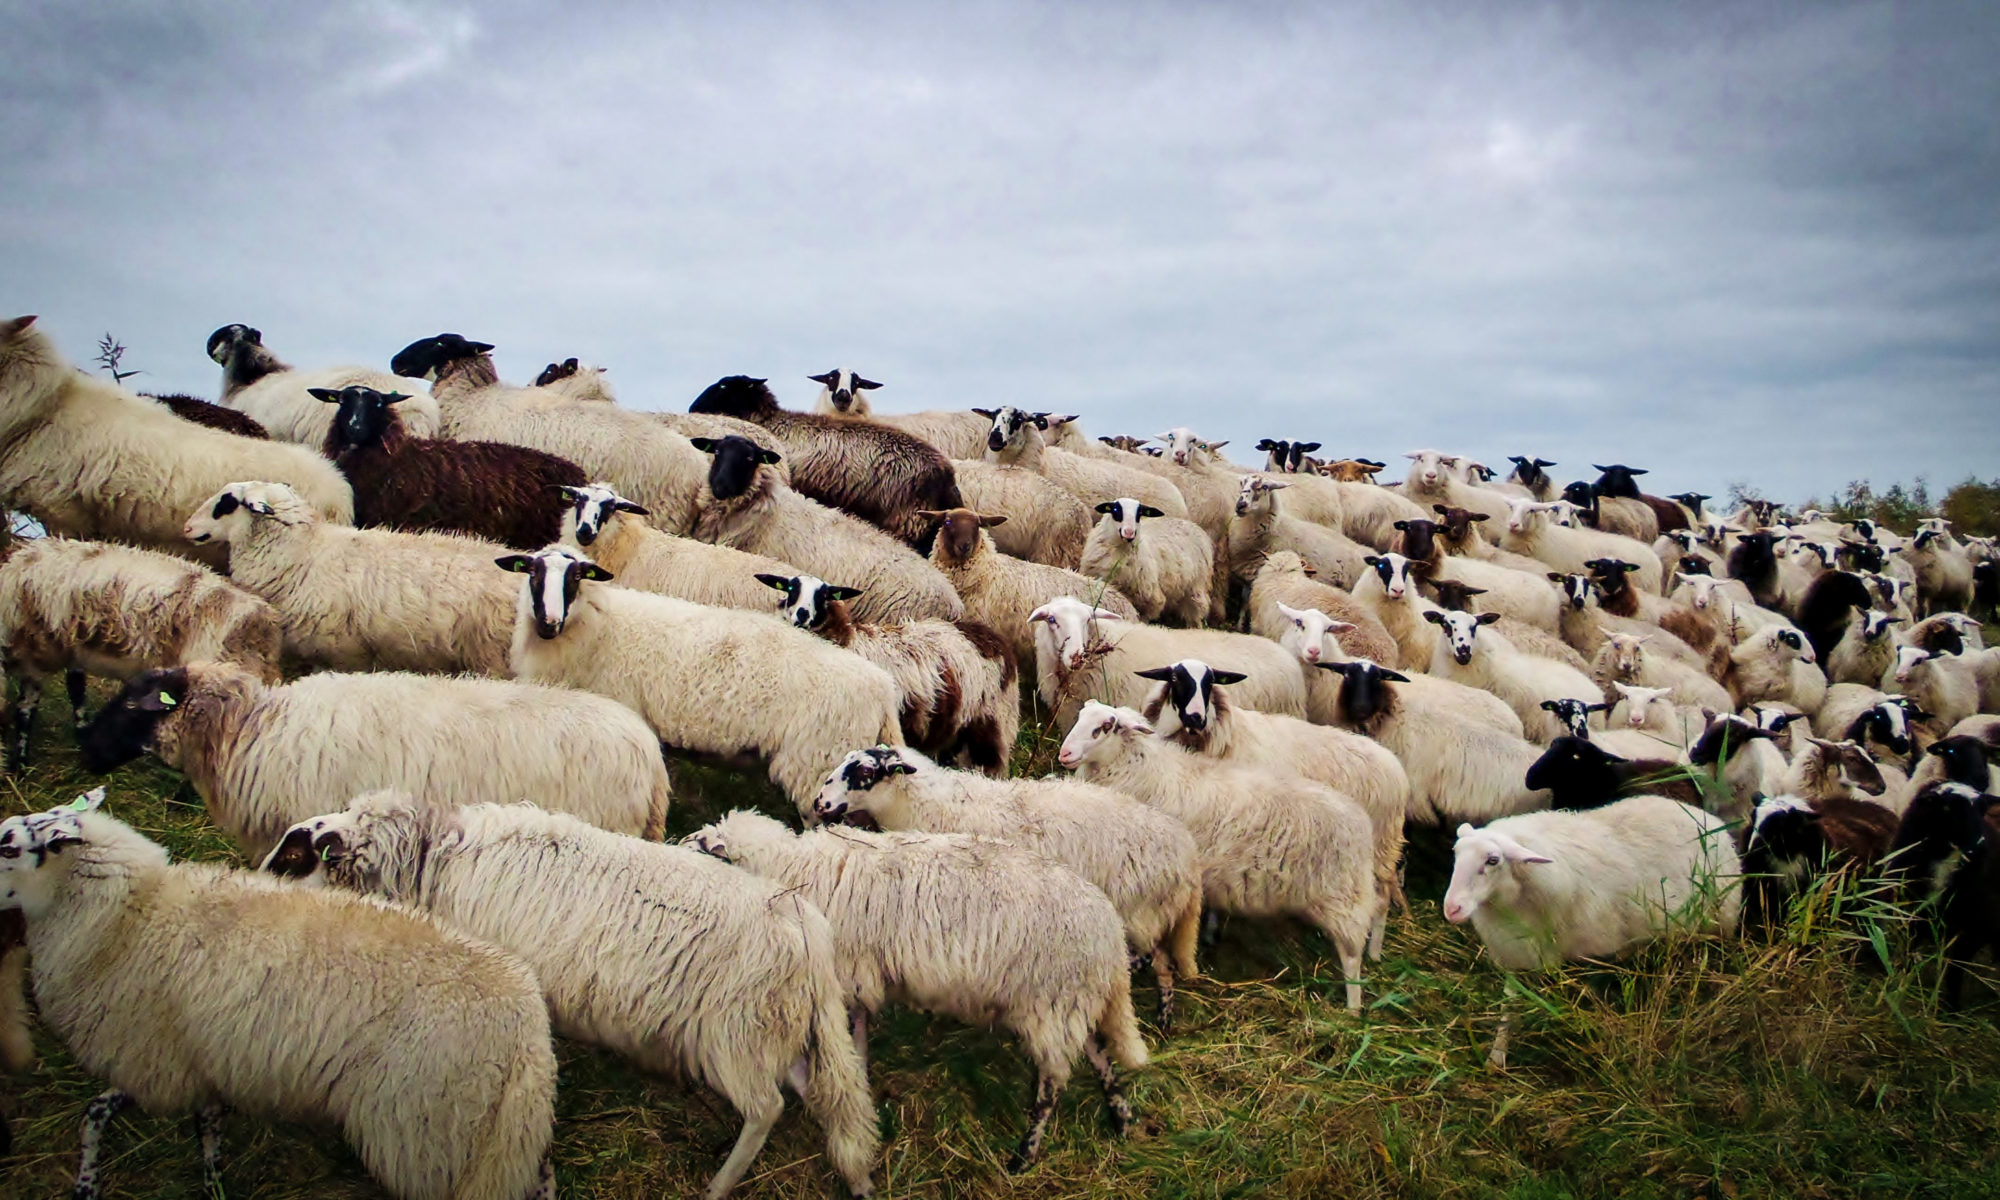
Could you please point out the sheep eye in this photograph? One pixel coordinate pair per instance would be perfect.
(1492, 860)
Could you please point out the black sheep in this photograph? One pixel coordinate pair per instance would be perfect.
(1755, 561)
(1791, 841)
(880, 474)
(215, 416)
(1580, 774)
(1964, 760)
(507, 494)
(1824, 611)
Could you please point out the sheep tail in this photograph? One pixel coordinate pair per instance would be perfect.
(1119, 1026)
(1185, 934)
(17, 1052)
(513, 1141)
(656, 808)
(837, 1091)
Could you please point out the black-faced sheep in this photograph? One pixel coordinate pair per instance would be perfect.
(261, 387)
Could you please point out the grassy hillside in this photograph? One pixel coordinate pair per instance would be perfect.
(1797, 1068)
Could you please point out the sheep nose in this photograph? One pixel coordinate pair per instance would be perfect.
(1312, 655)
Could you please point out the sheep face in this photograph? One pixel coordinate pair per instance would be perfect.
(1483, 871)
(128, 726)
(347, 849)
(1191, 687)
(1784, 833)
(1008, 425)
(425, 358)
(1617, 481)
(842, 385)
(1609, 574)
(1627, 653)
(1575, 767)
(1456, 523)
(740, 396)
(1460, 631)
(1364, 690)
(32, 858)
(1430, 468)
(847, 795)
(1185, 448)
(1575, 589)
(1394, 572)
(556, 372)
(1886, 722)
(592, 510)
(1694, 564)
(806, 601)
(555, 580)
(958, 532)
(1253, 494)
(1456, 596)
(1724, 736)
(1844, 760)
(1574, 712)
(224, 342)
(1909, 660)
(363, 415)
(1311, 636)
(735, 464)
(1964, 760)
(1528, 471)
(1067, 628)
(229, 514)
(1790, 643)
(1352, 470)
(1125, 513)
(1419, 539)
(1642, 703)
(1283, 456)
(1525, 516)
(1099, 733)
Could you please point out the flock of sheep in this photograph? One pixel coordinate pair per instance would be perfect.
(1638, 714)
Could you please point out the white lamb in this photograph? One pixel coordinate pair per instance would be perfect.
(969, 927)
(1162, 564)
(1271, 844)
(1141, 859)
(1490, 662)
(714, 680)
(1431, 481)
(677, 961)
(362, 599)
(264, 756)
(191, 987)
(91, 461)
(1086, 653)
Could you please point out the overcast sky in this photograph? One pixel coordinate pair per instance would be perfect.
(1724, 241)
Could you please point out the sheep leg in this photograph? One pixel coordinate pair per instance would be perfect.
(24, 723)
(96, 1115)
(545, 1183)
(208, 1131)
(1038, 1123)
(758, 1119)
(1163, 974)
(1376, 929)
(857, 1024)
(1496, 1058)
(799, 1076)
(1114, 1096)
(1211, 928)
(75, 680)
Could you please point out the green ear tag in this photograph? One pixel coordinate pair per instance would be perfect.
(167, 700)
(80, 804)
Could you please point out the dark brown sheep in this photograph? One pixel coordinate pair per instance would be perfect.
(506, 494)
(873, 471)
(201, 412)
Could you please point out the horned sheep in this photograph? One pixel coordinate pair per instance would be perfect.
(264, 756)
(970, 927)
(677, 961)
(188, 987)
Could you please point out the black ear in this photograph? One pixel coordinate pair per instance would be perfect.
(769, 456)
(1108, 507)
(1487, 618)
(988, 413)
(1393, 676)
(330, 395)
(866, 385)
(1147, 510)
(1543, 462)
(1041, 420)
(899, 767)
(1479, 516)
(1597, 708)
(1266, 444)
(593, 571)
(1402, 524)
(1635, 471)
(1434, 617)
(1552, 706)
(514, 562)
(628, 506)
(1227, 677)
(1305, 447)
(1439, 509)
(392, 397)
(826, 379)
(774, 581)
(706, 445)
(840, 591)
(1163, 674)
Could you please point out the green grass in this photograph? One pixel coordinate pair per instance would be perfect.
(1796, 1068)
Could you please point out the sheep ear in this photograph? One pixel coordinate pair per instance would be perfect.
(1394, 676)
(1372, 560)
(841, 591)
(392, 397)
(16, 326)
(866, 385)
(1557, 577)
(930, 514)
(1227, 677)
(1161, 674)
(988, 413)
(1341, 627)
(1402, 525)
(1478, 516)
(1487, 618)
(1108, 507)
(1551, 705)
(1434, 617)
(1147, 510)
(1439, 509)
(769, 456)
(574, 493)
(330, 395)
(1591, 708)
(706, 445)
(594, 572)
(1516, 852)
(1301, 447)
(776, 582)
(826, 379)
(986, 522)
(635, 509)
(1465, 827)
(513, 562)
(1266, 444)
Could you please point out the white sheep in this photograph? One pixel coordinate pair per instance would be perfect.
(612, 531)
(1488, 661)
(1517, 594)
(713, 680)
(1141, 859)
(1087, 653)
(1197, 470)
(1544, 888)
(1045, 523)
(1530, 532)
(969, 927)
(641, 457)
(1645, 722)
(1016, 440)
(1271, 843)
(1261, 527)
(1627, 658)
(957, 679)
(1313, 636)
(744, 505)
(279, 397)
(1431, 481)
(362, 599)
(1389, 591)
(91, 461)
(1191, 707)
(1162, 564)
(263, 756)
(1866, 651)
(1943, 570)
(679, 962)
(998, 590)
(189, 987)
(88, 608)
(1283, 582)
(1943, 685)
(1761, 668)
